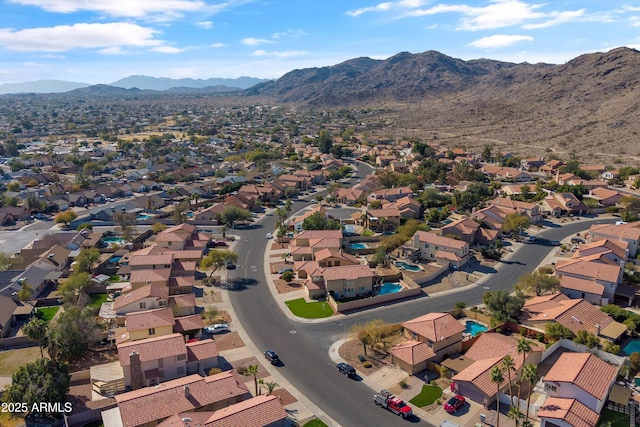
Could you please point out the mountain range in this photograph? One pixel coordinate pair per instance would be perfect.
(135, 82)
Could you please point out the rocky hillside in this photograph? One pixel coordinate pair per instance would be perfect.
(588, 105)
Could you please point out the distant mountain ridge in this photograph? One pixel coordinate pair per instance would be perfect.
(212, 85)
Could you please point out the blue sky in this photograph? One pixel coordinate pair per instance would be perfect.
(101, 41)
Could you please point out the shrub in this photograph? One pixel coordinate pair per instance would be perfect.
(214, 371)
(433, 382)
(545, 270)
(438, 402)
(367, 364)
(361, 358)
(403, 384)
(287, 276)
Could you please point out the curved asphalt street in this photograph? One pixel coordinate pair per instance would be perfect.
(303, 347)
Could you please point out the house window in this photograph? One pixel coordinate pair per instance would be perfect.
(337, 264)
(550, 387)
(162, 303)
(181, 357)
(431, 255)
(169, 243)
(437, 248)
(152, 331)
(143, 305)
(430, 343)
(414, 336)
(426, 246)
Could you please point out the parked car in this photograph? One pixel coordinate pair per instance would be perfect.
(230, 266)
(454, 404)
(272, 357)
(269, 236)
(285, 269)
(220, 243)
(346, 369)
(577, 240)
(218, 328)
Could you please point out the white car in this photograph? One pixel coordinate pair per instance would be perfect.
(269, 236)
(218, 328)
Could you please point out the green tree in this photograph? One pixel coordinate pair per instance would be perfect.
(217, 259)
(180, 212)
(538, 283)
(44, 380)
(7, 262)
(25, 292)
(287, 276)
(497, 377)
(252, 370)
(157, 227)
(509, 365)
(86, 259)
(65, 217)
(75, 285)
(70, 334)
(271, 386)
(523, 347)
(36, 330)
(556, 331)
(515, 222)
(529, 374)
(587, 338)
(487, 154)
(325, 142)
(319, 221)
(35, 203)
(126, 221)
(504, 307)
(232, 214)
(515, 415)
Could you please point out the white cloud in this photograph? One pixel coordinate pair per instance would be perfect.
(495, 14)
(635, 21)
(115, 50)
(288, 33)
(218, 45)
(382, 7)
(254, 41)
(166, 49)
(499, 40)
(147, 9)
(205, 24)
(79, 36)
(557, 18)
(279, 54)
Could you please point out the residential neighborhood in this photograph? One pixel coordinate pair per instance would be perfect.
(150, 257)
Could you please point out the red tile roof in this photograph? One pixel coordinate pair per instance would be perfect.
(157, 403)
(347, 272)
(188, 323)
(412, 352)
(255, 412)
(201, 350)
(154, 290)
(570, 411)
(581, 285)
(149, 319)
(434, 326)
(436, 239)
(591, 374)
(152, 348)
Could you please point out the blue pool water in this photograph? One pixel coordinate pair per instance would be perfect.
(114, 241)
(143, 216)
(115, 259)
(632, 347)
(390, 288)
(473, 328)
(406, 266)
(358, 246)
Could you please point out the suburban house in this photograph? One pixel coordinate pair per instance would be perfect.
(561, 204)
(560, 412)
(258, 411)
(604, 274)
(470, 231)
(347, 281)
(190, 393)
(305, 244)
(574, 314)
(390, 194)
(382, 220)
(430, 337)
(474, 381)
(432, 247)
(144, 298)
(583, 377)
(530, 210)
(151, 361)
(629, 233)
(605, 196)
(182, 236)
(407, 206)
(7, 320)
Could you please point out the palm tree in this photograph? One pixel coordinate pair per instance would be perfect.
(270, 386)
(497, 378)
(530, 373)
(36, 330)
(253, 370)
(523, 346)
(509, 365)
(515, 414)
(223, 230)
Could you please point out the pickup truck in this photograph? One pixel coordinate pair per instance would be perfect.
(392, 403)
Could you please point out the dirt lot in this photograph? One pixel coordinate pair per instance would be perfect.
(228, 341)
(353, 348)
(283, 287)
(222, 317)
(11, 360)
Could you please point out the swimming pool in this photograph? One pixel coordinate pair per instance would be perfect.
(405, 266)
(142, 217)
(115, 259)
(114, 241)
(358, 246)
(390, 288)
(632, 347)
(474, 328)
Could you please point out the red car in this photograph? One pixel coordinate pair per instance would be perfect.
(454, 404)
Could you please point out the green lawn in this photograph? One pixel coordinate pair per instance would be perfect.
(428, 395)
(315, 423)
(47, 313)
(309, 310)
(617, 419)
(96, 300)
